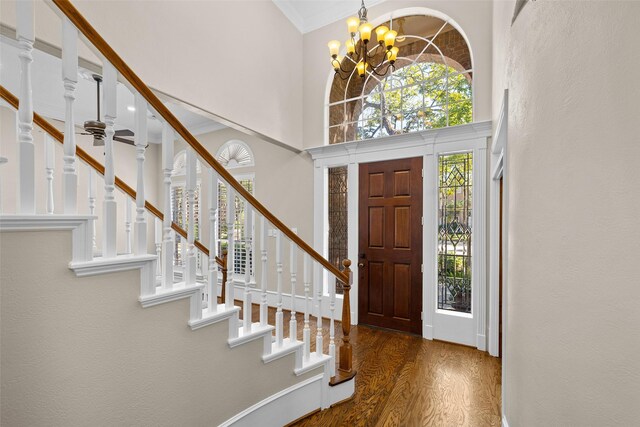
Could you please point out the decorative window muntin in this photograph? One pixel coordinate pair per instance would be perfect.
(242, 238)
(455, 191)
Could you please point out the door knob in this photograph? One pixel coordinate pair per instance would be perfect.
(360, 264)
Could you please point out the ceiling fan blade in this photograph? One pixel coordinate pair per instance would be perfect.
(124, 132)
(125, 140)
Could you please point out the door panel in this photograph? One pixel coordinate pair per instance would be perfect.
(390, 244)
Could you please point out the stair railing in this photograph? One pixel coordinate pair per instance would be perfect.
(114, 70)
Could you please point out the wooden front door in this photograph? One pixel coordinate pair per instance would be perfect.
(390, 245)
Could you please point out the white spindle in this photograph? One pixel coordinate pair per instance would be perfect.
(319, 314)
(158, 242)
(279, 313)
(49, 161)
(127, 224)
(293, 269)
(246, 316)
(231, 220)
(3, 160)
(332, 343)
(70, 80)
(190, 262)
(110, 217)
(26, 154)
(167, 235)
(264, 273)
(92, 187)
(306, 331)
(212, 294)
(140, 227)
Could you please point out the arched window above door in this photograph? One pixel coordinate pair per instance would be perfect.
(235, 154)
(431, 86)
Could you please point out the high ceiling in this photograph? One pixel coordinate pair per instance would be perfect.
(48, 95)
(309, 15)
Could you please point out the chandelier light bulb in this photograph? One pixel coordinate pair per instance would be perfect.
(350, 45)
(335, 62)
(392, 54)
(390, 38)
(380, 32)
(365, 32)
(362, 68)
(334, 48)
(352, 24)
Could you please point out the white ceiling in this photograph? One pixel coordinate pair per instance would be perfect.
(309, 15)
(48, 95)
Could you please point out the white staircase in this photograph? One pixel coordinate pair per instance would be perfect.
(313, 381)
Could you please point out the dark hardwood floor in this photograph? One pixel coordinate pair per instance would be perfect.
(404, 380)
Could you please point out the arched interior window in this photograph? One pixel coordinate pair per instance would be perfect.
(237, 154)
(431, 86)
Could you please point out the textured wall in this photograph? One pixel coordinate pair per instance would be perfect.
(81, 351)
(572, 338)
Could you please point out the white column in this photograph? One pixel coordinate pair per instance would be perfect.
(127, 224)
(306, 331)
(167, 232)
(70, 80)
(293, 270)
(140, 227)
(91, 190)
(319, 314)
(110, 216)
(279, 313)
(158, 242)
(231, 220)
(26, 154)
(212, 302)
(264, 308)
(247, 273)
(190, 262)
(49, 162)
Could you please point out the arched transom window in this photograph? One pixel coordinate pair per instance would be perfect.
(431, 86)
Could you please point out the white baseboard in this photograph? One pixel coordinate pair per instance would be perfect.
(481, 342)
(427, 332)
(504, 421)
(283, 407)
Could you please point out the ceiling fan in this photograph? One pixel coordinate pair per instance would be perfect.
(96, 128)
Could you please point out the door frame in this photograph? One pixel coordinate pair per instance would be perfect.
(473, 136)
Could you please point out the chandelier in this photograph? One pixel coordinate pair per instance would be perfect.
(362, 54)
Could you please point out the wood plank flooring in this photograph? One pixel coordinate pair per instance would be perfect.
(404, 380)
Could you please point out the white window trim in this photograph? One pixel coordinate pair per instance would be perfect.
(426, 143)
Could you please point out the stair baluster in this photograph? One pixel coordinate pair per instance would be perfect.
(26, 154)
(110, 216)
(140, 226)
(49, 162)
(92, 187)
(190, 261)
(158, 243)
(246, 311)
(319, 292)
(212, 292)
(306, 331)
(264, 272)
(332, 326)
(231, 221)
(293, 269)
(127, 225)
(279, 313)
(70, 79)
(167, 235)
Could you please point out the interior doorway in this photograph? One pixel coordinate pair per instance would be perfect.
(390, 244)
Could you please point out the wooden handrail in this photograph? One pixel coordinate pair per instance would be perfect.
(123, 69)
(92, 162)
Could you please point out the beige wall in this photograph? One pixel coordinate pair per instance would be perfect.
(81, 351)
(572, 338)
(124, 165)
(283, 183)
(474, 17)
(227, 57)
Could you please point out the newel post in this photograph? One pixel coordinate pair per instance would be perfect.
(345, 349)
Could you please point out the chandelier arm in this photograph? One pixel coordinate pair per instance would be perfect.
(389, 65)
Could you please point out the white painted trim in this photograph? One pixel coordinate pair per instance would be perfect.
(314, 362)
(256, 332)
(420, 144)
(111, 265)
(178, 292)
(504, 421)
(81, 232)
(284, 406)
(209, 318)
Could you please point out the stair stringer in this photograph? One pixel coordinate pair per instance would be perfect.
(198, 318)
